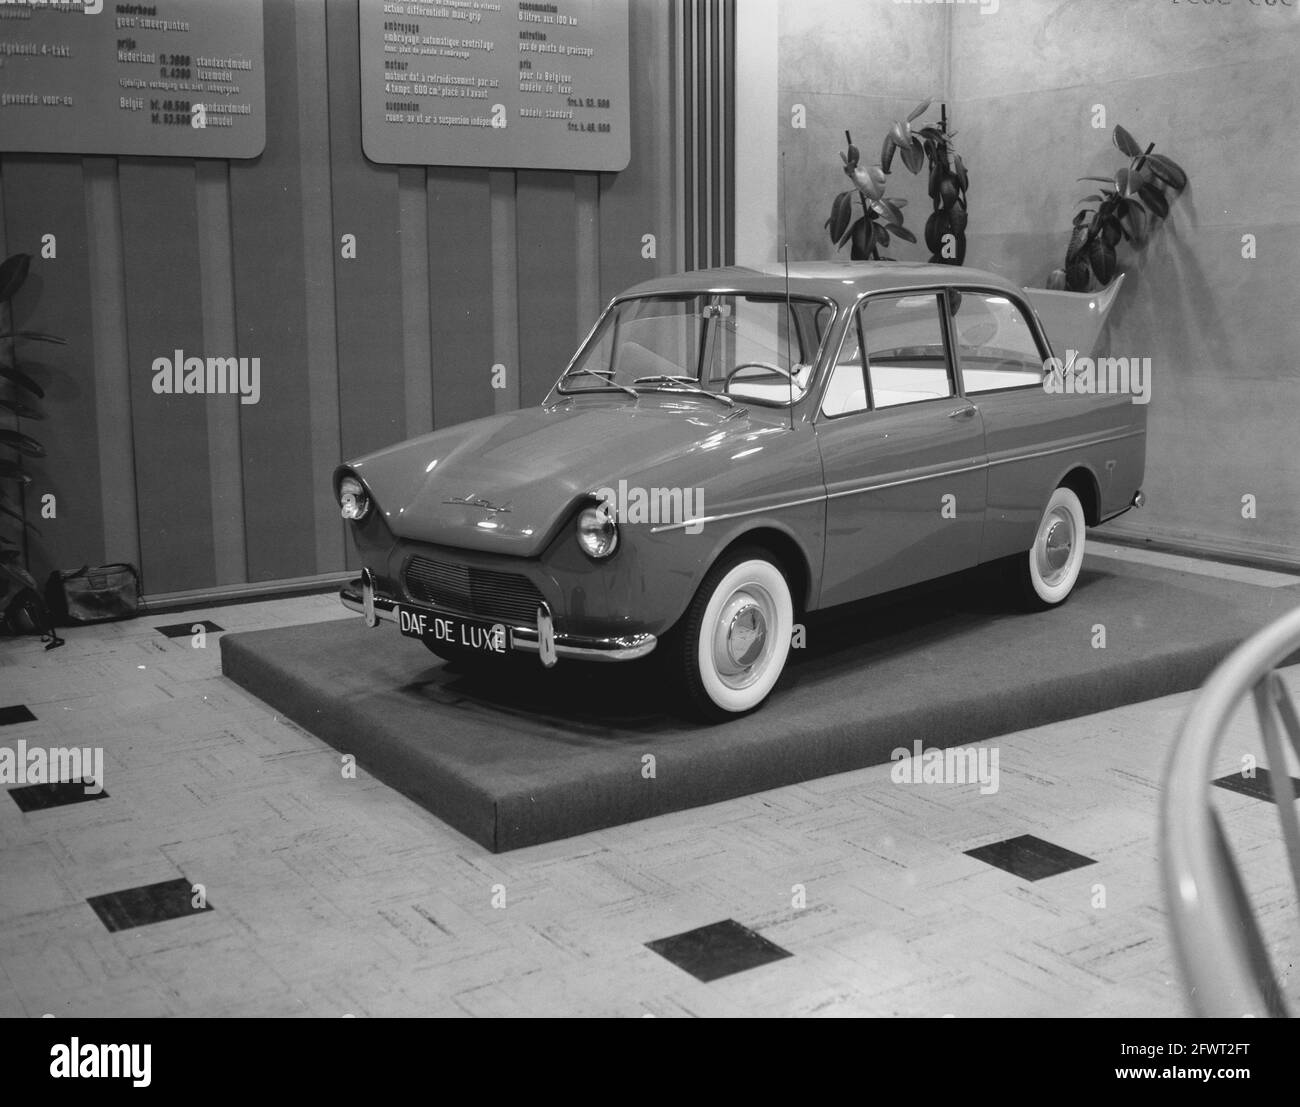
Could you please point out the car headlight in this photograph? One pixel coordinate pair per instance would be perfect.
(597, 531)
(354, 500)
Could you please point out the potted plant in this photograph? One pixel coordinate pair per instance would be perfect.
(882, 216)
(16, 385)
(1127, 208)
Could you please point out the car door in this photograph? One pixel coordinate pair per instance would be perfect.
(1030, 433)
(902, 453)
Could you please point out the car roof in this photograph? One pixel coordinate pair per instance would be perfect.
(824, 278)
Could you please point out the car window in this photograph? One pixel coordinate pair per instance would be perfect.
(996, 346)
(753, 346)
(846, 390)
(907, 360)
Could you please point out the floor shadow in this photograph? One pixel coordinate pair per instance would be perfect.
(592, 700)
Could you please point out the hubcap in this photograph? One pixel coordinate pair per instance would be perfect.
(1056, 542)
(741, 644)
(746, 635)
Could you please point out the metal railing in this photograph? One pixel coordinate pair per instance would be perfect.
(1217, 942)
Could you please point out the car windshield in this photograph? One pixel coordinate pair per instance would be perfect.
(744, 346)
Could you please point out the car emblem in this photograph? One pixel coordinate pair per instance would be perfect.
(472, 501)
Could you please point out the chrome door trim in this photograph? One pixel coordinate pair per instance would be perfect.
(1065, 449)
(879, 485)
(876, 486)
(738, 514)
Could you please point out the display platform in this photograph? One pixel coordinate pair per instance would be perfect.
(541, 756)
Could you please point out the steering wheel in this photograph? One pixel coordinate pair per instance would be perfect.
(757, 365)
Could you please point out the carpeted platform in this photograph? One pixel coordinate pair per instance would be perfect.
(541, 756)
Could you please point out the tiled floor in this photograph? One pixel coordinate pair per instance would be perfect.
(280, 886)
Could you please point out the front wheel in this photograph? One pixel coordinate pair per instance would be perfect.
(734, 639)
(1046, 575)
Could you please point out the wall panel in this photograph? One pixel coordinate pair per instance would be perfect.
(546, 228)
(455, 269)
(367, 288)
(271, 317)
(460, 294)
(641, 200)
(164, 313)
(56, 300)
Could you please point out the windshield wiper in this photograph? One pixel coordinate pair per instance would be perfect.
(685, 384)
(606, 375)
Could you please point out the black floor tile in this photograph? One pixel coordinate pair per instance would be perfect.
(1257, 787)
(1030, 858)
(16, 713)
(717, 950)
(184, 630)
(39, 797)
(150, 903)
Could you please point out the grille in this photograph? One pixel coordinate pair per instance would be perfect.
(487, 593)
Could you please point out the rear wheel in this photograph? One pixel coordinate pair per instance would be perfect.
(1045, 576)
(732, 643)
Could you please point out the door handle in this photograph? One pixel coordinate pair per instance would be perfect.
(962, 412)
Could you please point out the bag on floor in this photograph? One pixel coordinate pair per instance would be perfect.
(97, 594)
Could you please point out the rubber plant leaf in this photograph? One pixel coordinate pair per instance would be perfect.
(1168, 171)
(841, 214)
(15, 375)
(1102, 259)
(23, 443)
(35, 336)
(23, 411)
(913, 155)
(1126, 142)
(13, 272)
(847, 234)
(10, 470)
(1155, 200)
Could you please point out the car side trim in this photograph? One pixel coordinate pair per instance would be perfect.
(936, 475)
(877, 486)
(1065, 449)
(737, 514)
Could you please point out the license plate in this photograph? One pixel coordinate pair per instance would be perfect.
(476, 635)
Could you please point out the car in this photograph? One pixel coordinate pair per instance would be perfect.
(730, 449)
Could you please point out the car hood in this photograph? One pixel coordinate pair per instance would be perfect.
(503, 484)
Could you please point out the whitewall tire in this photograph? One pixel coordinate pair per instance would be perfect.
(735, 637)
(1051, 569)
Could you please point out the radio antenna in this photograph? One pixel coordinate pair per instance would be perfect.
(789, 313)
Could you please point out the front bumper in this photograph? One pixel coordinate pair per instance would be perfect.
(360, 596)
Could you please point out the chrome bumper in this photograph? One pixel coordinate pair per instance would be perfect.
(360, 596)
